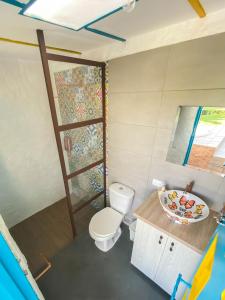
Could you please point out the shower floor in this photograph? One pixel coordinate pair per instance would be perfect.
(83, 217)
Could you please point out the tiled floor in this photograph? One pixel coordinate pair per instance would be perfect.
(83, 217)
(82, 272)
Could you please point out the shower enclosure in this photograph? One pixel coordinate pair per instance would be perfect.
(76, 91)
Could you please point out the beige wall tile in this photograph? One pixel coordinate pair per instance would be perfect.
(135, 108)
(173, 175)
(31, 177)
(161, 143)
(139, 72)
(196, 68)
(198, 64)
(218, 197)
(176, 176)
(137, 164)
(172, 100)
(132, 138)
(139, 185)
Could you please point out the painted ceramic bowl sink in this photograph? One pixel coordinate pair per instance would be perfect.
(183, 207)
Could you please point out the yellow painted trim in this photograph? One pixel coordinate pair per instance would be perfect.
(223, 295)
(185, 296)
(36, 45)
(197, 6)
(204, 272)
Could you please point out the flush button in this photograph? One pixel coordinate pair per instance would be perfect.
(120, 188)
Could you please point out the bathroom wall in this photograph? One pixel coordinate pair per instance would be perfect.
(30, 171)
(145, 90)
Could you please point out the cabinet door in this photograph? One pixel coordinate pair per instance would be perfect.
(149, 244)
(139, 245)
(177, 258)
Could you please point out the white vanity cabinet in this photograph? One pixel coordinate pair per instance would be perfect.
(162, 258)
(148, 248)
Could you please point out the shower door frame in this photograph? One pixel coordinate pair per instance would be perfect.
(45, 57)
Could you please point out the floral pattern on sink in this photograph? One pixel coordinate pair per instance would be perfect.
(182, 207)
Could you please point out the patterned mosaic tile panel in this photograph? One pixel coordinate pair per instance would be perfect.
(87, 184)
(79, 96)
(79, 93)
(83, 146)
(107, 118)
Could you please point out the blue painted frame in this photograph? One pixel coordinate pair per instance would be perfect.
(215, 285)
(8, 288)
(178, 281)
(31, 2)
(96, 31)
(190, 144)
(13, 281)
(24, 7)
(14, 3)
(108, 35)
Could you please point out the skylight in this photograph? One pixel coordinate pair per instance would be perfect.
(74, 14)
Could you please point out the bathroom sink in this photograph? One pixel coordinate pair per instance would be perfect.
(183, 207)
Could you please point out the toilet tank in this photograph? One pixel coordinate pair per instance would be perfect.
(120, 197)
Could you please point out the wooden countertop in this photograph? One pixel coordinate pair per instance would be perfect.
(196, 235)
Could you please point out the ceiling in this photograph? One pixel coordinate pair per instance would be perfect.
(149, 15)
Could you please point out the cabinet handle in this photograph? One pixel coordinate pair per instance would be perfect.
(160, 239)
(171, 246)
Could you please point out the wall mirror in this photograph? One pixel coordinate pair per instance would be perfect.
(198, 138)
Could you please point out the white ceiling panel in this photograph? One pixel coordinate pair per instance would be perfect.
(74, 14)
(148, 16)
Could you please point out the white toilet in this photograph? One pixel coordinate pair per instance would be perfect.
(104, 226)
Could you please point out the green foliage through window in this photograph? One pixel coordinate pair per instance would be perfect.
(213, 115)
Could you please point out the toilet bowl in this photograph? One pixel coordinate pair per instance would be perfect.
(104, 226)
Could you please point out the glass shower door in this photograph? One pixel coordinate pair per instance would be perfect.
(76, 92)
(78, 100)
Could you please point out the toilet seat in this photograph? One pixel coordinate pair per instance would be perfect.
(105, 223)
(104, 226)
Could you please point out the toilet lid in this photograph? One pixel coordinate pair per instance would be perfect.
(105, 222)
